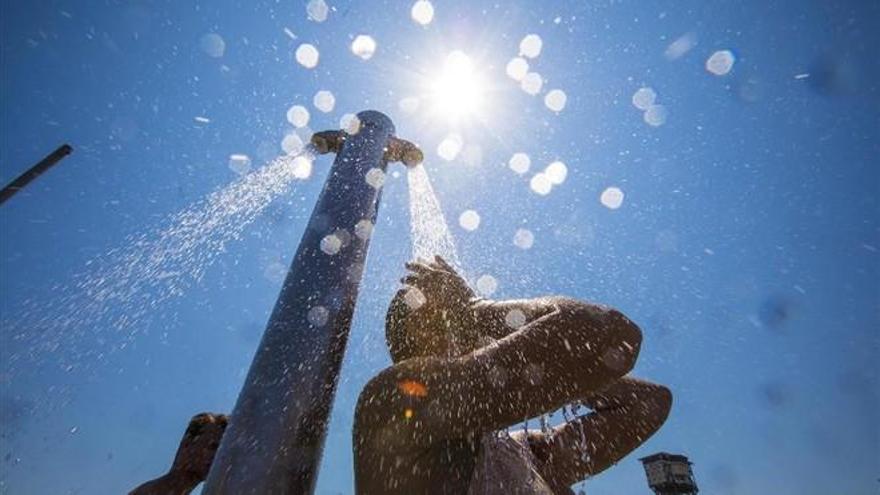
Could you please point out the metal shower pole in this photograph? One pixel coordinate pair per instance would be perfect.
(275, 438)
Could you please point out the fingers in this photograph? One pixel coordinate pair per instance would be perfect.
(420, 267)
(200, 422)
(421, 281)
(443, 264)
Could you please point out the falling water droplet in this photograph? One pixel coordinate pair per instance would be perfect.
(520, 163)
(487, 285)
(612, 198)
(318, 316)
(422, 12)
(298, 115)
(523, 239)
(363, 46)
(324, 101)
(317, 10)
(307, 55)
(530, 46)
(469, 220)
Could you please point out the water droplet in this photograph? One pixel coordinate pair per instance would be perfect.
(422, 12)
(363, 46)
(556, 172)
(519, 163)
(363, 229)
(541, 184)
(324, 101)
(720, 63)
(317, 10)
(612, 198)
(517, 68)
(532, 83)
(302, 167)
(307, 55)
(213, 45)
(643, 98)
(450, 147)
(318, 316)
(298, 115)
(350, 123)
(487, 285)
(375, 177)
(555, 100)
(469, 220)
(530, 46)
(331, 244)
(414, 298)
(655, 115)
(515, 318)
(240, 164)
(523, 238)
(679, 47)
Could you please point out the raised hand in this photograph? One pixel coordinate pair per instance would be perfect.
(448, 306)
(199, 445)
(439, 282)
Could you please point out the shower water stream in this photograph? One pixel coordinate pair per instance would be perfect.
(430, 234)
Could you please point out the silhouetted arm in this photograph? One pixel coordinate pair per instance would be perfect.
(624, 415)
(571, 351)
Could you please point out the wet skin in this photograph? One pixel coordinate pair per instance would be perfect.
(419, 422)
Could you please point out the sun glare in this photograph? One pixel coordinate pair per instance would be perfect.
(457, 92)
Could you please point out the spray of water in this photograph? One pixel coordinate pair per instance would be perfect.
(430, 234)
(122, 287)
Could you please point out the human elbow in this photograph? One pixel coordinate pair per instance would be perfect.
(609, 332)
(663, 400)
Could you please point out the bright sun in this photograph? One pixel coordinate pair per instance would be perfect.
(458, 92)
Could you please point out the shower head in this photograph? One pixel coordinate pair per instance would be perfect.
(397, 150)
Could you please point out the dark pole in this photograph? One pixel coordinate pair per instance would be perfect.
(275, 438)
(34, 172)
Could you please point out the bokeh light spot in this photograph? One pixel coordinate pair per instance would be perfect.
(612, 198)
(422, 12)
(307, 56)
(298, 116)
(363, 46)
(530, 46)
(555, 100)
(541, 184)
(523, 238)
(487, 285)
(520, 163)
(324, 101)
(469, 220)
(720, 63)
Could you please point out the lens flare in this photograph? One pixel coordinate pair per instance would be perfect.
(458, 92)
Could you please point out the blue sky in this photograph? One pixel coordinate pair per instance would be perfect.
(746, 246)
